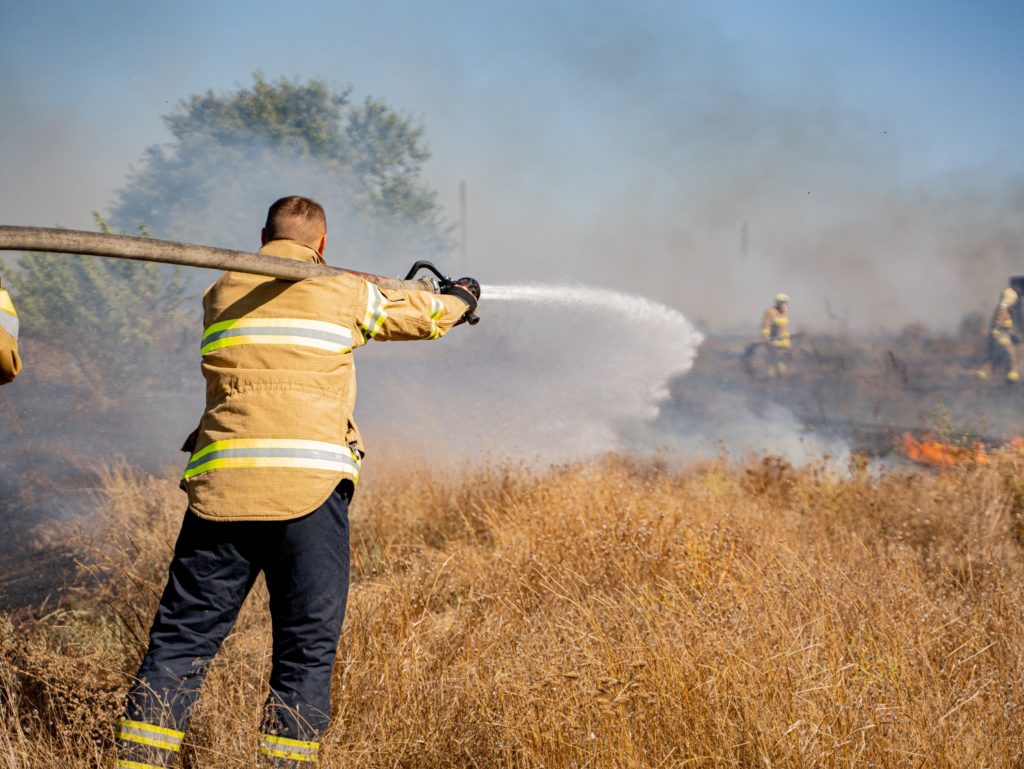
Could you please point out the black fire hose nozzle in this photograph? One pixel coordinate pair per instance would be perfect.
(467, 289)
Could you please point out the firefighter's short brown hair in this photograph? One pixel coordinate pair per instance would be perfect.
(296, 218)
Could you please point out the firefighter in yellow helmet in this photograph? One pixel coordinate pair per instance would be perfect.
(1002, 339)
(775, 333)
(10, 360)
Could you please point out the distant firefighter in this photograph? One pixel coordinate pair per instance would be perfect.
(10, 362)
(775, 332)
(1002, 340)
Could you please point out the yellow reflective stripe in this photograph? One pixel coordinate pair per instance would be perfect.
(319, 334)
(376, 313)
(6, 304)
(269, 443)
(229, 463)
(234, 453)
(304, 341)
(129, 737)
(316, 325)
(124, 722)
(436, 308)
(287, 754)
(289, 741)
(126, 764)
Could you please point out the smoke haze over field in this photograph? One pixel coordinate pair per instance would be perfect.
(674, 163)
(623, 145)
(662, 150)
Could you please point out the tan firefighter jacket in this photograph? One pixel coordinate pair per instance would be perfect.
(775, 327)
(10, 360)
(277, 434)
(1001, 327)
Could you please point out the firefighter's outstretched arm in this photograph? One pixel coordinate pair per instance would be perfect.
(10, 360)
(766, 325)
(393, 315)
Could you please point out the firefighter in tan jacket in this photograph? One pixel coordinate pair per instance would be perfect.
(271, 471)
(10, 360)
(1002, 339)
(775, 333)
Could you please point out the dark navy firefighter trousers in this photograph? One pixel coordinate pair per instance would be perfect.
(306, 565)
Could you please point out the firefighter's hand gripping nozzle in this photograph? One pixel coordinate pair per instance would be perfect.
(466, 289)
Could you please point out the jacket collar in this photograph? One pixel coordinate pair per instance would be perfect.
(292, 249)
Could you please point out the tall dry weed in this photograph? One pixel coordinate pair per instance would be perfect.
(612, 613)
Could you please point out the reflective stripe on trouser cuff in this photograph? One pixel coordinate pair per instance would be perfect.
(145, 746)
(330, 337)
(285, 747)
(274, 453)
(149, 734)
(436, 308)
(9, 323)
(126, 764)
(375, 311)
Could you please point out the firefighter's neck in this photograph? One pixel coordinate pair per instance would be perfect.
(320, 245)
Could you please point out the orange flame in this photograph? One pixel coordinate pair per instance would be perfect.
(934, 453)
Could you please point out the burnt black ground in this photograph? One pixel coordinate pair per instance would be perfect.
(863, 392)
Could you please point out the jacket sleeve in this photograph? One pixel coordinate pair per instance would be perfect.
(10, 360)
(403, 315)
(766, 324)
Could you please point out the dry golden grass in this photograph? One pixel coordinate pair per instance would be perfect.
(612, 613)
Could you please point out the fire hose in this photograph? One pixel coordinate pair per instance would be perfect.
(59, 241)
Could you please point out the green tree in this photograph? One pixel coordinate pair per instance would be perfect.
(118, 326)
(232, 154)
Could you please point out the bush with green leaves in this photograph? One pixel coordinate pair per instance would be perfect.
(113, 320)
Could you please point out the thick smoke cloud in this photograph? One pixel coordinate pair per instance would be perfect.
(644, 155)
(622, 145)
(642, 150)
(646, 151)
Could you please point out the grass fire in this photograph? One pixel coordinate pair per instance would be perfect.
(709, 452)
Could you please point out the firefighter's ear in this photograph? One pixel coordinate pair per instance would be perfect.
(323, 244)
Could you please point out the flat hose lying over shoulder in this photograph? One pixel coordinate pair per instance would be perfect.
(60, 241)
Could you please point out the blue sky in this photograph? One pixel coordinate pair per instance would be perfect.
(949, 72)
(597, 138)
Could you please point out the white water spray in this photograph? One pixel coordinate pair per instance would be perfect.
(648, 343)
(551, 372)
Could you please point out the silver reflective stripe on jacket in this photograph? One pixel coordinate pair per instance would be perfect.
(238, 453)
(9, 323)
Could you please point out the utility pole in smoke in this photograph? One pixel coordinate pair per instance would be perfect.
(463, 226)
